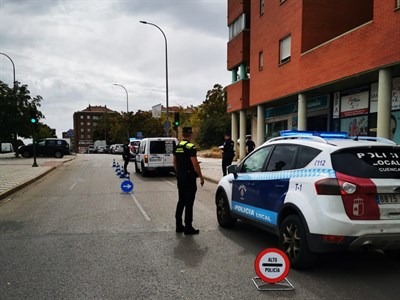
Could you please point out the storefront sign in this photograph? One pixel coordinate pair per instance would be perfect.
(354, 102)
(336, 105)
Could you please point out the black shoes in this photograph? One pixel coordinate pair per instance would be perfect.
(180, 228)
(190, 231)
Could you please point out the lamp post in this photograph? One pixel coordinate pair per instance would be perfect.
(127, 109)
(166, 70)
(14, 92)
(12, 65)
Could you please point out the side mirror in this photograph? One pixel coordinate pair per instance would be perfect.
(232, 169)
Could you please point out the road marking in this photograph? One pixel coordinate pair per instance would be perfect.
(145, 215)
(75, 183)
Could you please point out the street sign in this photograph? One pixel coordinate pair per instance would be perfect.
(272, 265)
(127, 186)
(166, 125)
(139, 135)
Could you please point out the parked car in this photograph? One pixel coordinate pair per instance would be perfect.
(133, 148)
(319, 192)
(48, 147)
(90, 149)
(155, 154)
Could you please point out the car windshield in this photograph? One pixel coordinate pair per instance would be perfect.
(371, 162)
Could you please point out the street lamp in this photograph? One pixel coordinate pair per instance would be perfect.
(127, 109)
(166, 69)
(12, 65)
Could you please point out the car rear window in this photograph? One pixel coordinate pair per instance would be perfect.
(368, 162)
(162, 147)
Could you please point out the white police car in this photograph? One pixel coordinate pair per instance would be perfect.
(319, 192)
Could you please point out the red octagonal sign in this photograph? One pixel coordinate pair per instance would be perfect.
(272, 265)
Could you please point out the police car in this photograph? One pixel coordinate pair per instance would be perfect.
(319, 192)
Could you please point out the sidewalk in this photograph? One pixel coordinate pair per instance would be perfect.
(16, 173)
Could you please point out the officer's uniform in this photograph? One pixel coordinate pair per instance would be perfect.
(126, 157)
(228, 155)
(186, 177)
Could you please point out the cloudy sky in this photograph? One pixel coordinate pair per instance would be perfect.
(71, 52)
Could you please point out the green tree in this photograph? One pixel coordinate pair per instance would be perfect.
(211, 118)
(16, 109)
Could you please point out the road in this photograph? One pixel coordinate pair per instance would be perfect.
(75, 235)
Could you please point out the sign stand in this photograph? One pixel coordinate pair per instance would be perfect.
(272, 266)
(284, 285)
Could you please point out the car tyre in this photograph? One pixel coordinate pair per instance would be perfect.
(58, 154)
(293, 241)
(137, 170)
(145, 172)
(224, 216)
(26, 154)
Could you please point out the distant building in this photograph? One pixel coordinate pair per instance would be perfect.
(314, 65)
(85, 122)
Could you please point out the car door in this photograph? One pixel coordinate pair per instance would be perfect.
(245, 188)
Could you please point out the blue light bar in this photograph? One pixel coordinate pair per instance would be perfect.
(322, 134)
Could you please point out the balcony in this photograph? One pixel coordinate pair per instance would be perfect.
(237, 95)
(239, 49)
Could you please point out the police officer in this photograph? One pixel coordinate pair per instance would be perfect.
(228, 152)
(126, 156)
(187, 169)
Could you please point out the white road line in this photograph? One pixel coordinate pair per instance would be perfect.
(73, 185)
(145, 215)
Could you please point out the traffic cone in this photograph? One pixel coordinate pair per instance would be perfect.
(113, 164)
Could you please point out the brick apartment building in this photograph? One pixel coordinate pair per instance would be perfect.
(85, 122)
(314, 65)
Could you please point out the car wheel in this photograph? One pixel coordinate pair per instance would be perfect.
(293, 241)
(223, 212)
(145, 172)
(26, 154)
(58, 154)
(137, 170)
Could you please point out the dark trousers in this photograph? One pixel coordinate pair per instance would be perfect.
(226, 161)
(186, 193)
(126, 162)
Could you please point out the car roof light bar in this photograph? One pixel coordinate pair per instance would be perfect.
(322, 134)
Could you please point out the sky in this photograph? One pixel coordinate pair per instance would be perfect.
(72, 52)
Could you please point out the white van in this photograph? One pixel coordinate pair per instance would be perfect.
(155, 154)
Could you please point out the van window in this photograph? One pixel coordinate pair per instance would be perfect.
(371, 162)
(162, 147)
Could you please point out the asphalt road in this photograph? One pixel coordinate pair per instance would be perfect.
(75, 235)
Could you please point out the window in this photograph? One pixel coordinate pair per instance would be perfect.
(81, 117)
(88, 117)
(262, 2)
(88, 129)
(260, 60)
(398, 4)
(256, 161)
(82, 130)
(305, 156)
(88, 123)
(82, 136)
(282, 158)
(284, 49)
(238, 26)
(88, 136)
(82, 123)
(95, 117)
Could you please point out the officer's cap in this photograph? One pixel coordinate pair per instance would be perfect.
(187, 130)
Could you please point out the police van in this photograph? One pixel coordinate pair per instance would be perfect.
(319, 192)
(155, 154)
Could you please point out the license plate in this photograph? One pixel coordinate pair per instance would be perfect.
(389, 198)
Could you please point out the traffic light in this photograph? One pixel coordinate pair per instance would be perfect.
(176, 120)
(33, 120)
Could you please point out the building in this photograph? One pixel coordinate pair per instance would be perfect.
(85, 122)
(314, 65)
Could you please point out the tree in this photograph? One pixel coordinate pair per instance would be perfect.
(16, 110)
(212, 119)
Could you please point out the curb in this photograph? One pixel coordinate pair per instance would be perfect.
(30, 181)
(22, 185)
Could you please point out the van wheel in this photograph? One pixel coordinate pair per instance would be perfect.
(26, 154)
(293, 241)
(145, 172)
(137, 170)
(58, 154)
(223, 212)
